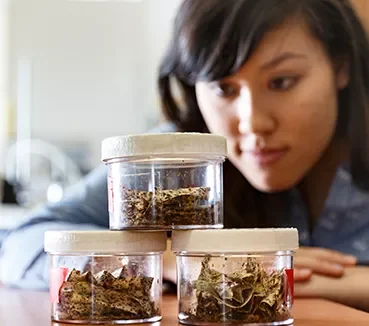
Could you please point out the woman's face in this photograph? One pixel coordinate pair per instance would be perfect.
(279, 111)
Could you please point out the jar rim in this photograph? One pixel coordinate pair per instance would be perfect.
(235, 240)
(104, 242)
(187, 143)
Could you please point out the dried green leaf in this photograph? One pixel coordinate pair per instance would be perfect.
(106, 297)
(163, 208)
(249, 294)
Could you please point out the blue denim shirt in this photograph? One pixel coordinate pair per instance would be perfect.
(344, 222)
(343, 226)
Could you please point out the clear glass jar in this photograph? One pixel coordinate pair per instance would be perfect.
(105, 277)
(165, 181)
(242, 276)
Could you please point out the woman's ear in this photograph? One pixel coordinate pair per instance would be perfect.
(342, 73)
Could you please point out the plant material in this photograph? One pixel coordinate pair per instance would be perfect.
(248, 295)
(105, 297)
(161, 208)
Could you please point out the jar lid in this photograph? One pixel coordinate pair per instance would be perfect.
(163, 144)
(104, 242)
(235, 240)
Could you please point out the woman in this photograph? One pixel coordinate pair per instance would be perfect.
(287, 83)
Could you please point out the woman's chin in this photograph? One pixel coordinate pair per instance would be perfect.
(269, 180)
(270, 184)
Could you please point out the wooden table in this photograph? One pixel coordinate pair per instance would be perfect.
(27, 308)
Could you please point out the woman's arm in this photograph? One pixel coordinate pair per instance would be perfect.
(23, 262)
(351, 289)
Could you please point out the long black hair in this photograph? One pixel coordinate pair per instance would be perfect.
(213, 38)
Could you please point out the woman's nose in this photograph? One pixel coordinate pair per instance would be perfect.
(254, 115)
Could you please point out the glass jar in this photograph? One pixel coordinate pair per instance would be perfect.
(165, 181)
(235, 276)
(105, 277)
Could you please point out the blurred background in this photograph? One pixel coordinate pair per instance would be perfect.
(72, 72)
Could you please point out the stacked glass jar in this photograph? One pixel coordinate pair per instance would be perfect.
(156, 182)
(165, 181)
(105, 277)
(235, 276)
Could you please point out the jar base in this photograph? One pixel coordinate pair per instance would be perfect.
(167, 228)
(184, 320)
(109, 322)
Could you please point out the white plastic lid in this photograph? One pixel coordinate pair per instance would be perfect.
(104, 242)
(163, 144)
(235, 240)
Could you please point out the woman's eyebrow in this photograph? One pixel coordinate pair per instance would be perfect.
(281, 58)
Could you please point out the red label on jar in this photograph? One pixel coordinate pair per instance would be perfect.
(110, 194)
(57, 277)
(290, 283)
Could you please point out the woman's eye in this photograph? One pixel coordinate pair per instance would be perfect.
(224, 90)
(282, 83)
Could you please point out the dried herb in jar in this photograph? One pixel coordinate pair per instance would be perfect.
(106, 297)
(248, 295)
(183, 206)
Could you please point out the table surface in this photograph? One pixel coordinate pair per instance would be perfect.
(28, 308)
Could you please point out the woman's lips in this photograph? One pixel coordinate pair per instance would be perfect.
(266, 157)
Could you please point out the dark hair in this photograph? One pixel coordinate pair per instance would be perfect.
(214, 38)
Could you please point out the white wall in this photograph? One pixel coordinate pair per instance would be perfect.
(158, 27)
(4, 83)
(93, 65)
